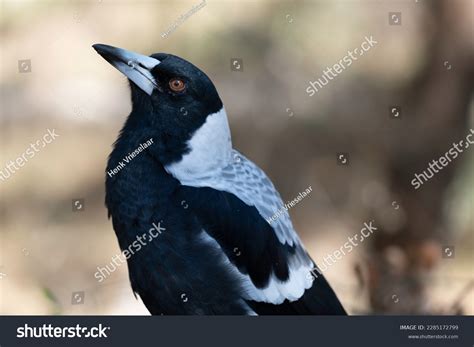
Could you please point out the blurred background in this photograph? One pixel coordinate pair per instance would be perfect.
(54, 230)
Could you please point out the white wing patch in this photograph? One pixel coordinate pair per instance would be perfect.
(276, 291)
(249, 183)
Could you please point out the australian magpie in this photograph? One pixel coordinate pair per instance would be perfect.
(218, 250)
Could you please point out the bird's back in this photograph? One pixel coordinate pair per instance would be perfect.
(237, 206)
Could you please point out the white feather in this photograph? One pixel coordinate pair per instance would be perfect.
(210, 147)
(276, 291)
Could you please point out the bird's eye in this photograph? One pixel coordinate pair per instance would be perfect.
(177, 85)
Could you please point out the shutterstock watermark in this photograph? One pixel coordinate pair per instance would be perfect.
(450, 155)
(117, 260)
(332, 72)
(50, 331)
(352, 242)
(12, 167)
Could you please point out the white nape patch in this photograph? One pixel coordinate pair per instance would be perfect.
(211, 148)
(276, 291)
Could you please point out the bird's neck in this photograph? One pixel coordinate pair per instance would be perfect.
(136, 183)
(210, 149)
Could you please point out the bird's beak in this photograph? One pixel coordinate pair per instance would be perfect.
(135, 66)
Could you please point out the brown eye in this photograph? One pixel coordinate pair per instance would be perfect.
(177, 85)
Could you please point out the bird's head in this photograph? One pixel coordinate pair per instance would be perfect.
(171, 98)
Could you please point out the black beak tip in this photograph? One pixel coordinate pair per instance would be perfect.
(99, 48)
(107, 52)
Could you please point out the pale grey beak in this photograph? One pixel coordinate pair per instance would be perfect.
(136, 67)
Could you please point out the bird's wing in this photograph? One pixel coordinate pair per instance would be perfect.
(247, 181)
(250, 184)
(267, 257)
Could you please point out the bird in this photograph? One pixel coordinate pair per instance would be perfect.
(173, 168)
